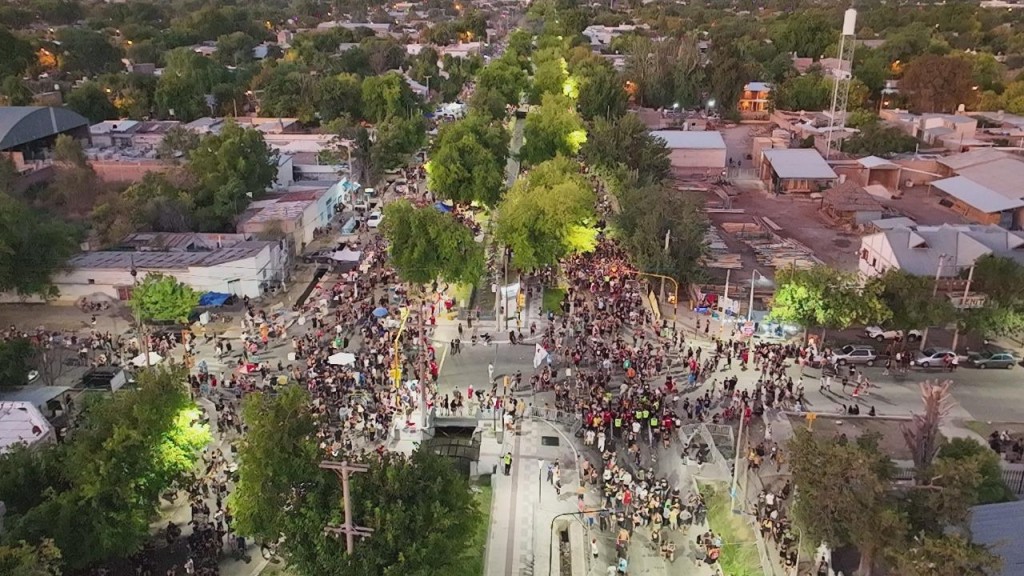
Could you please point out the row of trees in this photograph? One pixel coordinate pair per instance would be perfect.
(91, 498)
(823, 297)
(847, 496)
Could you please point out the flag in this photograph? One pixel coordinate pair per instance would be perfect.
(539, 355)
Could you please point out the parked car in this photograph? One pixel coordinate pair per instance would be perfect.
(932, 357)
(992, 360)
(877, 333)
(852, 354)
(374, 219)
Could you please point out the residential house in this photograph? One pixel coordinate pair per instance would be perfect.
(936, 251)
(950, 131)
(755, 97)
(848, 204)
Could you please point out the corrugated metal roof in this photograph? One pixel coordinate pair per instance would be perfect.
(977, 195)
(23, 124)
(691, 139)
(803, 163)
(971, 158)
(168, 260)
(876, 162)
(1001, 527)
(918, 251)
(1004, 176)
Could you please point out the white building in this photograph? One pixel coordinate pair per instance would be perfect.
(927, 250)
(295, 214)
(23, 423)
(230, 263)
(694, 149)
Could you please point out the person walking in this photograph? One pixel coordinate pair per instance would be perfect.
(507, 461)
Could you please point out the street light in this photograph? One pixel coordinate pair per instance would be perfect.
(750, 308)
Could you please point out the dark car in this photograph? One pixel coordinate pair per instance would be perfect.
(992, 360)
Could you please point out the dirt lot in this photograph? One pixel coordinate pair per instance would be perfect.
(923, 208)
(800, 220)
(832, 425)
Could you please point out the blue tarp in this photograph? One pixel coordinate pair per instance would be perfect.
(214, 299)
(443, 207)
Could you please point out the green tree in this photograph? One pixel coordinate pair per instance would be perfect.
(235, 49)
(33, 246)
(187, 79)
(231, 168)
(15, 361)
(177, 142)
(909, 298)
(626, 142)
(934, 83)
(93, 102)
(69, 151)
(547, 215)
(807, 92)
(398, 138)
(488, 102)
(504, 76)
(945, 555)
(17, 54)
(601, 94)
(426, 244)
(126, 450)
(14, 93)
(1003, 314)
(84, 51)
(807, 33)
(467, 163)
(826, 298)
(550, 73)
(163, 298)
(553, 128)
(25, 560)
(338, 96)
(386, 96)
(877, 139)
(419, 509)
(845, 494)
(968, 453)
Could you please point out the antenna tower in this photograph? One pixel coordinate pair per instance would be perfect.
(843, 74)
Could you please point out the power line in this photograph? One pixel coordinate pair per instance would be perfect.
(343, 470)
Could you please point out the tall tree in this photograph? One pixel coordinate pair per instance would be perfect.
(386, 96)
(418, 507)
(162, 298)
(504, 76)
(553, 128)
(87, 52)
(626, 143)
(825, 297)
(33, 246)
(547, 215)
(467, 162)
(426, 244)
(25, 560)
(911, 302)
(17, 54)
(93, 102)
(934, 83)
(231, 167)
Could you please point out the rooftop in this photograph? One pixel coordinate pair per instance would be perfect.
(873, 162)
(148, 260)
(691, 139)
(918, 250)
(977, 195)
(21, 422)
(805, 163)
(999, 527)
(963, 160)
(23, 124)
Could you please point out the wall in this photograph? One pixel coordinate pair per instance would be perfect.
(919, 171)
(875, 256)
(688, 158)
(127, 171)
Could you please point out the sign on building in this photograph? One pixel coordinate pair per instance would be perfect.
(969, 302)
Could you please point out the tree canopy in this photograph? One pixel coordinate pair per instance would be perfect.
(825, 297)
(426, 244)
(547, 215)
(94, 495)
(910, 301)
(625, 142)
(33, 246)
(551, 129)
(467, 162)
(419, 508)
(163, 298)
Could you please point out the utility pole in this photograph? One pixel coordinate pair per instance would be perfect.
(967, 291)
(725, 297)
(935, 293)
(668, 238)
(343, 470)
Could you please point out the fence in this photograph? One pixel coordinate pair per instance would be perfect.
(1012, 474)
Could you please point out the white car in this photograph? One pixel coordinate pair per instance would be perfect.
(876, 333)
(373, 220)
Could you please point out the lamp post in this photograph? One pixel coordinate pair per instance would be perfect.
(935, 293)
(750, 309)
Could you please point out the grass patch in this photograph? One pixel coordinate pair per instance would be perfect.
(739, 555)
(551, 299)
(474, 559)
